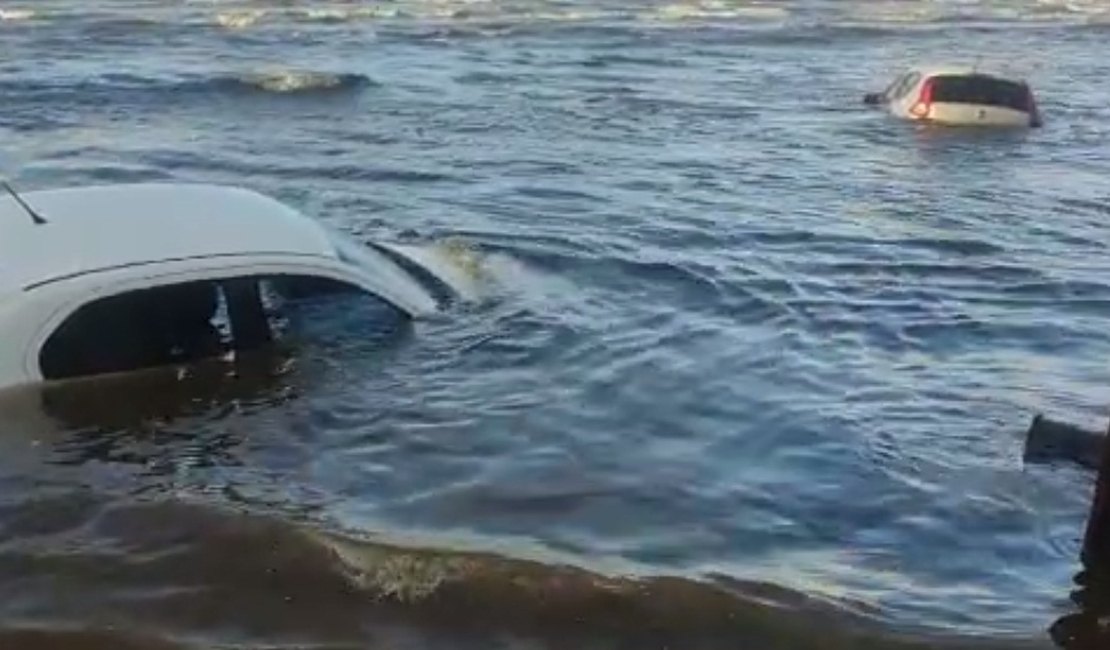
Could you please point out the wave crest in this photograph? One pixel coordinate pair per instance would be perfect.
(714, 10)
(239, 19)
(288, 82)
(342, 15)
(295, 580)
(14, 15)
(245, 18)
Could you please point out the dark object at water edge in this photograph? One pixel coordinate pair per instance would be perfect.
(1089, 628)
(1048, 441)
(1096, 542)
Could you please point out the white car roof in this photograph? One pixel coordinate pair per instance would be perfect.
(964, 71)
(103, 227)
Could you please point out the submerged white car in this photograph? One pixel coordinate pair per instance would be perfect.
(959, 97)
(107, 279)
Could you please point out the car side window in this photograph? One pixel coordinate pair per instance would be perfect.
(191, 321)
(326, 312)
(908, 81)
(888, 93)
(136, 329)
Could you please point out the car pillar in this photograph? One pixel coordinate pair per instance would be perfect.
(250, 328)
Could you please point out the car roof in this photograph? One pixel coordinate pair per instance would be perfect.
(965, 71)
(98, 228)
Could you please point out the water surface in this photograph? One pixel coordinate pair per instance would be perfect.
(749, 364)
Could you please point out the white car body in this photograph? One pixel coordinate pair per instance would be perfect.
(103, 241)
(959, 96)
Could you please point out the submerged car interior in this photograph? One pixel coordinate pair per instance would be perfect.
(190, 321)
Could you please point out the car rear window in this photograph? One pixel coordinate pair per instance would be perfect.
(981, 90)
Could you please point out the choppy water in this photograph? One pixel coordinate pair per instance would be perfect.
(749, 365)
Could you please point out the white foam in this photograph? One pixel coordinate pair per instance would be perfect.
(344, 14)
(292, 81)
(569, 16)
(715, 10)
(478, 277)
(239, 19)
(1094, 11)
(1075, 6)
(508, 276)
(454, 262)
(13, 15)
(327, 14)
(516, 277)
(906, 12)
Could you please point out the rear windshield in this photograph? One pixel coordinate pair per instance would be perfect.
(981, 90)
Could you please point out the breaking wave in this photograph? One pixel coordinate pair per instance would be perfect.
(142, 90)
(284, 577)
(13, 15)
(920, 12)
(239, 19)
(340, 14)
(300, 81)
(714, 10)
(242, 19)
(880, 12)
(789, 14)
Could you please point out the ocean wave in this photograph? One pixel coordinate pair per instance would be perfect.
(328, 14)
(245, 18)
(144, 90)
(1089, 7)
(344, 14)
(715, 9)
(902, 14)
(14, 15)
(925, 12)
(288, 82)
(239, 19)
(285, 575)
(568, 16)
(454, 262)
(897, 13)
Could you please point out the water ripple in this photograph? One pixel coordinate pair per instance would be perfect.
(728, 323)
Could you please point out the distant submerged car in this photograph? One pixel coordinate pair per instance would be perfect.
(114, 278)
(959, 97)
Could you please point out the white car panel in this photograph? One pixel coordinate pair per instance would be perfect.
(904, 97)
(104, 241)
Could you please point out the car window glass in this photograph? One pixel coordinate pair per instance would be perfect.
(322, 311)
(981, 90)
(137, 329)
(894, 85)
(187, 322)
(907, 84)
